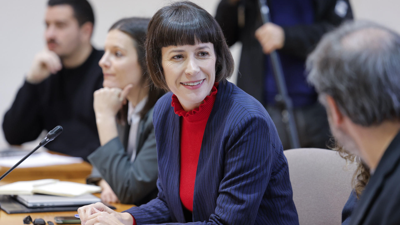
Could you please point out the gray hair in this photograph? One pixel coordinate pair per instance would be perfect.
(358, 65)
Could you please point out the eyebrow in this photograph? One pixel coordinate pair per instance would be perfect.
(180, 50)
(176, 50)
(202, 47)
(114, 46)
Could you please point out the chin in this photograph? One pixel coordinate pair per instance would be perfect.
(110, 84)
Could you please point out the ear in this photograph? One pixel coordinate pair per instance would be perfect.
(86, 31)
(336, 115)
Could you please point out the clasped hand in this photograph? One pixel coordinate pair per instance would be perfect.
(99, 214)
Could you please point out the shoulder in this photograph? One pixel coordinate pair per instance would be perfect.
(239, 103)
(242, 113)
(163, 105)
(98, 54)
(148, 117)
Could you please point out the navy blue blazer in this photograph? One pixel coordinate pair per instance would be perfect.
(242, 174)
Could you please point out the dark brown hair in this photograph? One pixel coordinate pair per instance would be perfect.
(361, 175)
(185, 23)
(136, 28)
(83, 11)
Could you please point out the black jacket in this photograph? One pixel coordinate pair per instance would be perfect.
(380, 201)
(299, 40)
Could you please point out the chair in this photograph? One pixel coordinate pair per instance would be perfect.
(321, 183)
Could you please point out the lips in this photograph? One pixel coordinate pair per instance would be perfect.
(51, 46)
(193, 83)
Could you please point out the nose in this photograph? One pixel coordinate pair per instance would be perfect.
(50, 32)
(104, 61)
(192, 67)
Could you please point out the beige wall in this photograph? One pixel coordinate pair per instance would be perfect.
(385, 12)
(22, 26)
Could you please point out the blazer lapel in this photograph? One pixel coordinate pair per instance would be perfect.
(125, 138)
(386, 164)
(140, 135)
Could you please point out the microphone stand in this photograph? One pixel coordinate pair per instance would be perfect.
(49, 137)
(282, 98)
(23, 159)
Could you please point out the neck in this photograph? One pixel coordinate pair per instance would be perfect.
(137, 94)
(77, 58)
(373, 141)
(189, 106)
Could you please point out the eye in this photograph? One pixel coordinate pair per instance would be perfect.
(118, 54)
(177, 57)
(60, 25)
(203, 54)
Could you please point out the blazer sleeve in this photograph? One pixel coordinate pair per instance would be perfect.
(22, 122)
(131, 181)
(300, 40)
(247, 171)
(156, 211)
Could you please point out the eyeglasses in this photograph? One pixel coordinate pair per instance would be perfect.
(37, 221)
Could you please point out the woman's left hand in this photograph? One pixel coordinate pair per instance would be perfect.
(103, 218)
(107, 194)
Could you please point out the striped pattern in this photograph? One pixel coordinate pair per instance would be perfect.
(242, 174)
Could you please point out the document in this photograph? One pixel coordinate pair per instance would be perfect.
(39, 159)
(49, 187)
(23, 187)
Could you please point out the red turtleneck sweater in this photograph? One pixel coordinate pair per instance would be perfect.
(193, 125)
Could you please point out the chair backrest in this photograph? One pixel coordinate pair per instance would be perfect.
(321, 183)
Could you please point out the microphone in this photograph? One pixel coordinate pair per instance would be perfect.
(49, 137)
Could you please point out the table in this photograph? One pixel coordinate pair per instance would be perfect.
(72, 172)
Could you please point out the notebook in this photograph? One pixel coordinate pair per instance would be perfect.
(12, 206)
(49, 200)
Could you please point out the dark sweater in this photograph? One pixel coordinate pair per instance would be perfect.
(64, 98)
(286, 13)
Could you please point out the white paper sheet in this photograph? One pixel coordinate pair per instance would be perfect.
(38, 160)
(49, 187)
(65, 188)
(23, 187)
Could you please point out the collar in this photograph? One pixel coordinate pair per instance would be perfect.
(135, 111)
(206, 105)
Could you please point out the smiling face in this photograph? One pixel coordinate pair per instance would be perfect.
(120, 61)
(189, 72)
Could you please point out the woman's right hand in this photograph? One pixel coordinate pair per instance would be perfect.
(98, 213)
(107, 101)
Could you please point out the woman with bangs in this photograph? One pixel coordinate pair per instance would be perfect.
(220, 159)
